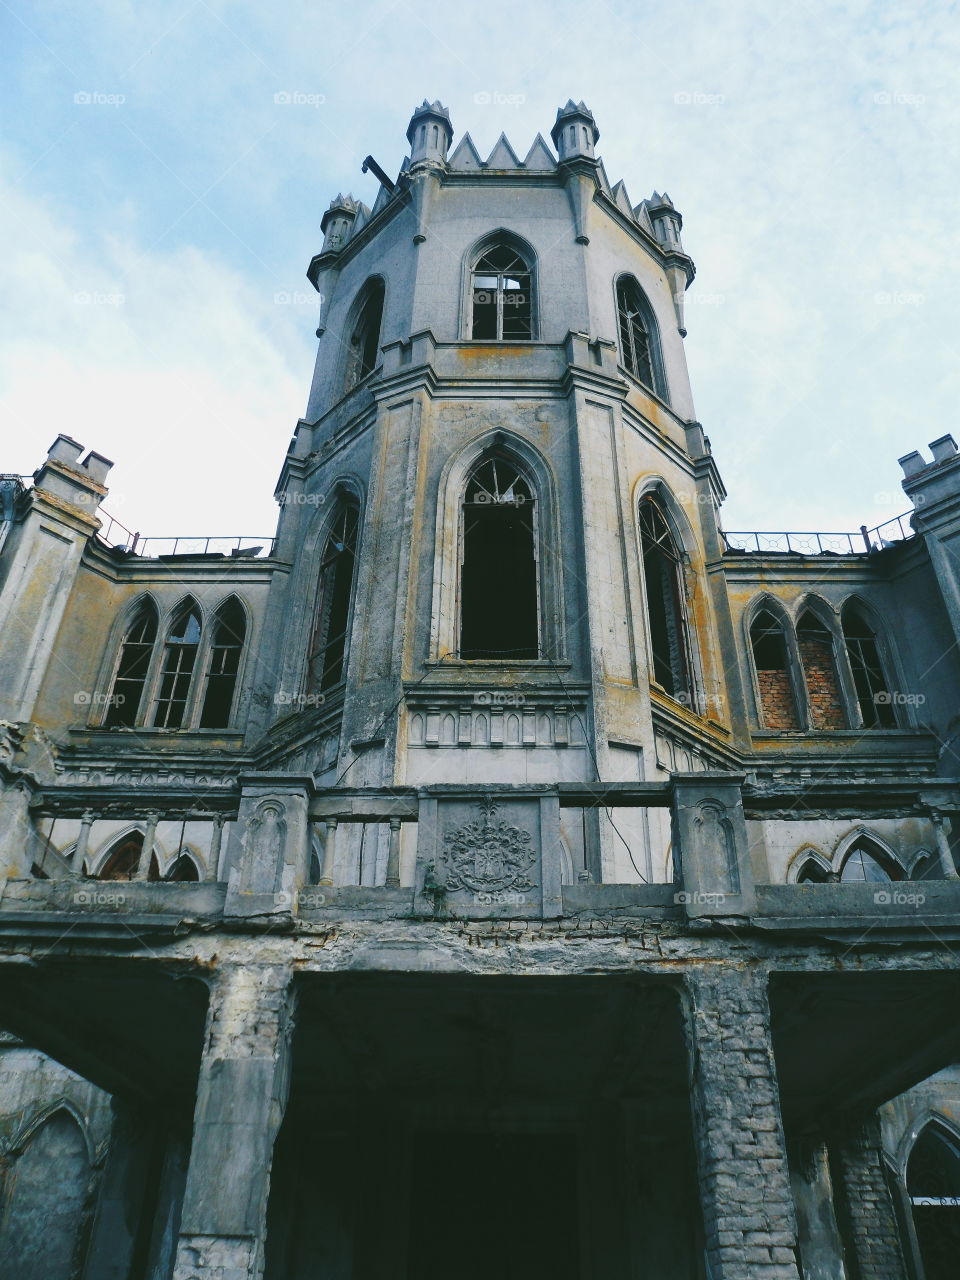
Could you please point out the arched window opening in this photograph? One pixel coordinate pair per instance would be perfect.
(45, 1201)
(124, 859)
(325, 662)
(873, 691)
(636, 338)
(933, 1185)
(183, 871)
(179, 659)
(132, 669)
(663, 579)
(499, 606)
(502, 302)
(229, 630)
(777, 704)
(815, 642)
(865, 863)
(812, 873)
(364, 347)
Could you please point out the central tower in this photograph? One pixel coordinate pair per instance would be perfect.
(499, 507)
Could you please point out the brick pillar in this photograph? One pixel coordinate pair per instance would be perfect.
(868, 1220)
(750, 1226)
(241, 1097)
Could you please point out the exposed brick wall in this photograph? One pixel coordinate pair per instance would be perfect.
(823, 689)
(776, 700)
(750, 1225)
(866, 1214)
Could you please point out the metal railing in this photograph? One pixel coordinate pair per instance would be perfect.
(814, 544)
(117, 535)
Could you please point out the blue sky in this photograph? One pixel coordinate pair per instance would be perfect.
(157, 201)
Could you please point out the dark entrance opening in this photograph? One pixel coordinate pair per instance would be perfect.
(498, 582)
(507, 1210)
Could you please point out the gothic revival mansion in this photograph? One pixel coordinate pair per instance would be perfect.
(503, 871)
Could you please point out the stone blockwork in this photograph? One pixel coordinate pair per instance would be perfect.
(749, 1218)
(777, 700)
(872, 1236)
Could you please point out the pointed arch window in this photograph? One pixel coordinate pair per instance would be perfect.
(873, 690)
(328, 645)
(778, 707)
(818, 658)
(176, 677)
(933, 1185)
(865, 863)
(229, 631)
(812, 873)
(124, 859)
(132, 668)
(663, 580)
(364, 343)
(501, 296)
(639, 345)
(499, 570)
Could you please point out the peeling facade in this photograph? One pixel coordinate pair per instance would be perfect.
(504, 854)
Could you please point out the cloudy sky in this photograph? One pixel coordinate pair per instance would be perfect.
(159, 207)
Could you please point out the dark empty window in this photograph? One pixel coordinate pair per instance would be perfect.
(864, 863)
(328, 645)
(132, 669)
(873, 692)
(636, 337)
(179, 659)
(933, 1184)
(183, 871)
(502, 302)
(812, 873)
(229, 627)
(499, 613)
(777, 704)
(663, 578)
(124, 859)
(364, 342)
(815, 643)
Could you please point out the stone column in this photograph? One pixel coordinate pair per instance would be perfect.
(83, 841)
(216, 840)
(750, 1223)
(393, 859)
(867, 1214)
(241, 1098)
(947, 866)
(149, 839)
(329, 849)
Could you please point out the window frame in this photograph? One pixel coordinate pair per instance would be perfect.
(654, 497)
(659, 386)
(345, 501)
(372, 285)
(794, 667)
(501, 238)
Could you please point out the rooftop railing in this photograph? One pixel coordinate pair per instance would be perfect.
(118, 536)
(814, 544)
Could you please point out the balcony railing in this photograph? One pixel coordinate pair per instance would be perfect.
(118, 536)
(814, 544)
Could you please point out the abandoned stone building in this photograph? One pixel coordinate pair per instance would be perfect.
(503, 870)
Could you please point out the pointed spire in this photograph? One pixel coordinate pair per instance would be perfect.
(575, 132)
(539, 156)
(622, 200)
(465, 155)
(503, 155)
(430, 133)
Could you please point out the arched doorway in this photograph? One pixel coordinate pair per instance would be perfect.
(933, 1184)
